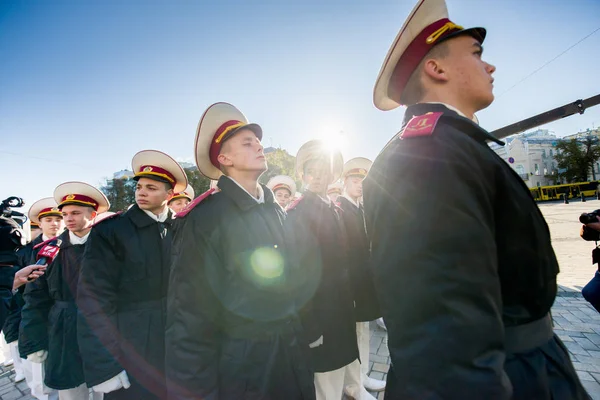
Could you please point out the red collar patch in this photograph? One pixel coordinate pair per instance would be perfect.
(294, 204)
(421, 125)
(194, 203)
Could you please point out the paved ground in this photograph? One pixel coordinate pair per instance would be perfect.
(576, 322)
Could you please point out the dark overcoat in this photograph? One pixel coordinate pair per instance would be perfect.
(11, 325)
(233, 330)
(49, 317)
(122, 298)
(366, 306)
(464, 267)
(317, 244)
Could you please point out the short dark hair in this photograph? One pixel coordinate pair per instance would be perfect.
(414, 91)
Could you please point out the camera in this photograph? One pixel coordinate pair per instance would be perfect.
(588, 218)
(12, 237)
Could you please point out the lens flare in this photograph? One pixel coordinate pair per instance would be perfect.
(267, 264)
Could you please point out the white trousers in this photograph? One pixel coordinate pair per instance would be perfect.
(17, 361)
(330, 385)
(363, 333)
(38, 389)
(81, 392)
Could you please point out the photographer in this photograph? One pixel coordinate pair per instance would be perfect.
(590, 231)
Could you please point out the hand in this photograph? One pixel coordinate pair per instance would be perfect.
(316, 343)
(594, 225)
(114, 383)
(28, 274)
(38, 357)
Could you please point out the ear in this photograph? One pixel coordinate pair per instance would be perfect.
(170, 194)
(224, 160)
(435, 70)
(94, 213)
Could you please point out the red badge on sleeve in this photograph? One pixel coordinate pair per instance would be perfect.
(421, 125)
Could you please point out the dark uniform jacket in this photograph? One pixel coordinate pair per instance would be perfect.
(123, 287)
(11, 325)
(50, 317)
(317, 244)
(462, 257)
(366, 307)
(232, 327)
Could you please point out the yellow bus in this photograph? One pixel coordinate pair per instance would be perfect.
(572, 190)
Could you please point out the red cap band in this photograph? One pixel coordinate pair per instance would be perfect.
(215, 146)
(156, 171)
(416, 51)
(78, 199)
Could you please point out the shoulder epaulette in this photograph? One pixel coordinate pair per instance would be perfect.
(421, 125)
(295, 203)
(37, 246)
(107, 218)
(194, 203)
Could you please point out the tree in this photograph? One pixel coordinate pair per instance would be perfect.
(280, 162)
(576, 157)
(120, 192)
(199, 182)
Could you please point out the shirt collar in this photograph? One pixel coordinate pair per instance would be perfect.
(456, 110)
(261, 192)
(74, 239)
(162, 217)
(44, 238)
(355, 203)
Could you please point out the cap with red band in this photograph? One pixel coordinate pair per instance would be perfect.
(156, 165)
(218, 123)
(188, 193)
(427, 25)
(46, 207)
(80, 194)
(358, 166)
(282, 182)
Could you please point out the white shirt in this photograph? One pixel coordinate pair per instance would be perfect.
(456, 110)
(261, 192)
(44, 237)
(162, 217)
(74, 239)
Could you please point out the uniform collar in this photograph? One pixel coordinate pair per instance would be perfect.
(456, 110)
(261, 192)
(354, 203)
(459, 121)
(141, 219)
(241, 197)
(162, 217)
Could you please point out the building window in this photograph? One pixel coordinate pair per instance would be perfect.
(520, 170)
(544, 153)
(551, 153)
(536, 169)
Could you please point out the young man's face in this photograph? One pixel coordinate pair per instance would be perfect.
(78, 218)
(283, 197)
(333, 196)
(353, 186)
(243, 152)
(468, 75)
(151, 195)
(179, 204)
(51, 225)
(317, 175)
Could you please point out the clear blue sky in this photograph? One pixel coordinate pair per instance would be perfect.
(84, 85)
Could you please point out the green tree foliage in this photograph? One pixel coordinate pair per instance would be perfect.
(120, 193)
(280, 162)
(199, 182)
(577, 157)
